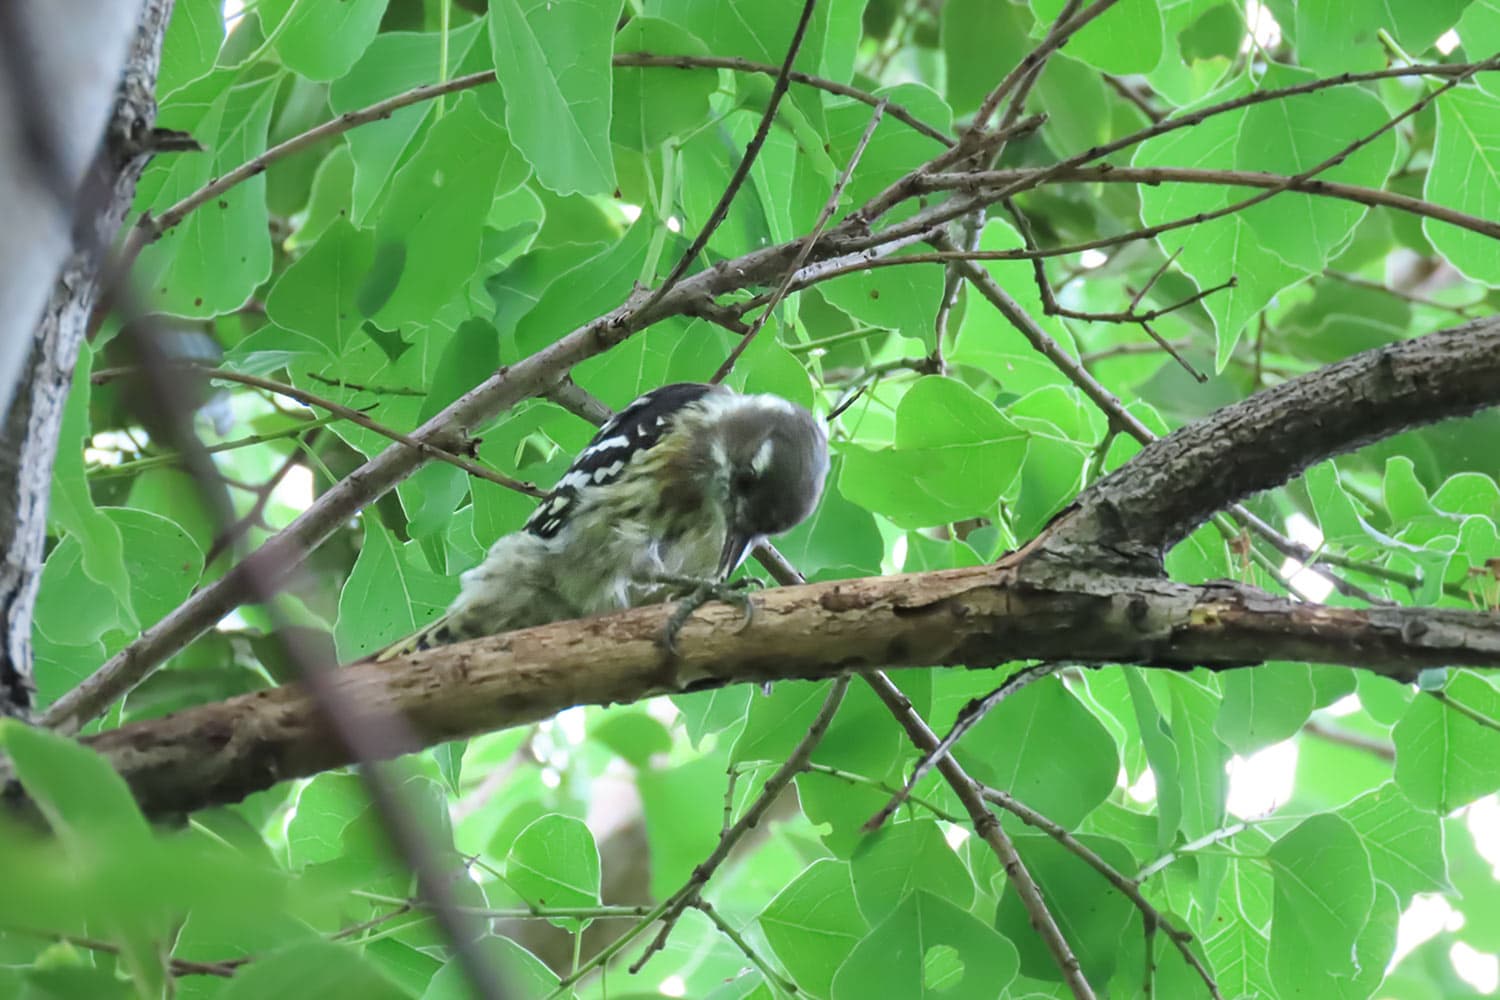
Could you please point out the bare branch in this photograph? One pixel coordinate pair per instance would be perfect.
(808, 242)
(796, 762)
(349, 413)
(1127, 887)
(988, 828)
(742, 170)
(896, 111)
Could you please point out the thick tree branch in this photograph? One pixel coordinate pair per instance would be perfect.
(1177, 482)
(978, 617)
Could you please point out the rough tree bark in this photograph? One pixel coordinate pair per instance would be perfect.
(83, 49)
(1067, 595)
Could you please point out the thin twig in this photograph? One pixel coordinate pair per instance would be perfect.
(1052, 307)
(795, 764)
(1417, 300)
(742, 171)
(256, 514)
(148, 462)
(1062, 29)
(853, 778)
(1192, 846)
(988, 828)
(379, 390)
(902, 189)
(345, 412)
(897, 111)
(770, 974)
(1128, 92)
(968, 717)
(1467, 711)
(1029, 178)
(1129, 888)
(808, 243)
(1383, 749)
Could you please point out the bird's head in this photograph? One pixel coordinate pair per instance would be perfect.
(774, 457)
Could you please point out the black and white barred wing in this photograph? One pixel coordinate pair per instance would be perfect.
(630, 433)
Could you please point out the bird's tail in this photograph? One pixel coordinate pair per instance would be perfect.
(430, 636)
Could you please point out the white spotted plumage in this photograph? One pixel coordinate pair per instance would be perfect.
(680, 483)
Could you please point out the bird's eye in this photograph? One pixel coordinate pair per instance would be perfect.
(744, 480)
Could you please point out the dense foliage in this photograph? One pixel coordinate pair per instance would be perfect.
(390, 265)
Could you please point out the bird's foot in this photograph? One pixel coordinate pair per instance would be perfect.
(695, 593)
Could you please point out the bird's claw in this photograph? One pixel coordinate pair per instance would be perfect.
(696, 594)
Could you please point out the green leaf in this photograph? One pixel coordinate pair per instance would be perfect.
(322, 41)
(1465, 176)
(191, 43)
(85, 802)
(1200, 756)
(1324, 897)
(214, 259)
(705, 712)
(316, 296)
(326, 806)
(903, 857)
(954, 454)
(652, 106)
(1213, 252)
(813, 923)
(320, 969)
(1339, 518)
(1405, 844)
(681, 833)
(554, 862)
(634, 736)
(761, 31)
(1340, 36)
(1444, 758)
(1263, 705)
(1126, 39)
(1063, 780)
(102, 552)
(522, 969)
(904, 299)
(1161, 754)
(778, 721)
(1294, 135)
(1092, 916)
(982, 41)
(392, 64)
(71, 608)
(553, 63)
(592, 285)
(386, 597)
(838, 537)
(432, 495)
(438, 204)
(893, 151)
(1469, 493)
(893, 958)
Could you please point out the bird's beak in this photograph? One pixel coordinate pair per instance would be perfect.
(736, 544)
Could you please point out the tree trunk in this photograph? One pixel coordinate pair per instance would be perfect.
(68, 170)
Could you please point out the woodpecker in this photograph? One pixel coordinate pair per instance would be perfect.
(672, 492)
